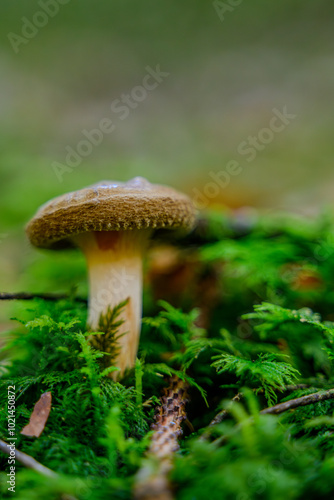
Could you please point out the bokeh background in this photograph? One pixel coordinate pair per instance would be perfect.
(229, 63)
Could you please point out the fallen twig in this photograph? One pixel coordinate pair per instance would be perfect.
(272, 410)
(223, 413)
(296, 387)
(45, 296)
(152, 480)
(282, 407)
(31, 463)
(220, 416)
(27, 460)
(302, 401)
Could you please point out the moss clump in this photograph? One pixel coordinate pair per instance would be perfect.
(252, 313)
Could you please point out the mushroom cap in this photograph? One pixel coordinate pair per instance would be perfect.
(110, 206)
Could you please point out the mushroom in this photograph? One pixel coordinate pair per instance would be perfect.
(111, 222)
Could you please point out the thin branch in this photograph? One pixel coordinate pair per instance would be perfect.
(224, 413)
(272, 410)
(152, 480)
(31, 463)
(295, 403)
(44, 296)
(296, 387)
(282, 407)
(27, 460)
(220, 416)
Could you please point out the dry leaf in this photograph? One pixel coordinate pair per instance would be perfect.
(39, 416)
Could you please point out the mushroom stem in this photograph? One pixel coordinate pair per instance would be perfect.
(114, 261)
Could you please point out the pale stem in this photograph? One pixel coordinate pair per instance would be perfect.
(114, 261)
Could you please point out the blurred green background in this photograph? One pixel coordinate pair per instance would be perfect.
(229, 66)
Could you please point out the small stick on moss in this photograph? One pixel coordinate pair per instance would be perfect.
(296, 387)
(295, 403)
(223, 413)
(31, 463)
(152, 480)
(272, 410)
(220, 416)
(44, 296)
(287, 405)
(27, 460)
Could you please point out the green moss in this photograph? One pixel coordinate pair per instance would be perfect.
(268, 327)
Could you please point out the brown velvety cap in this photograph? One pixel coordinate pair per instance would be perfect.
(110, 206)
